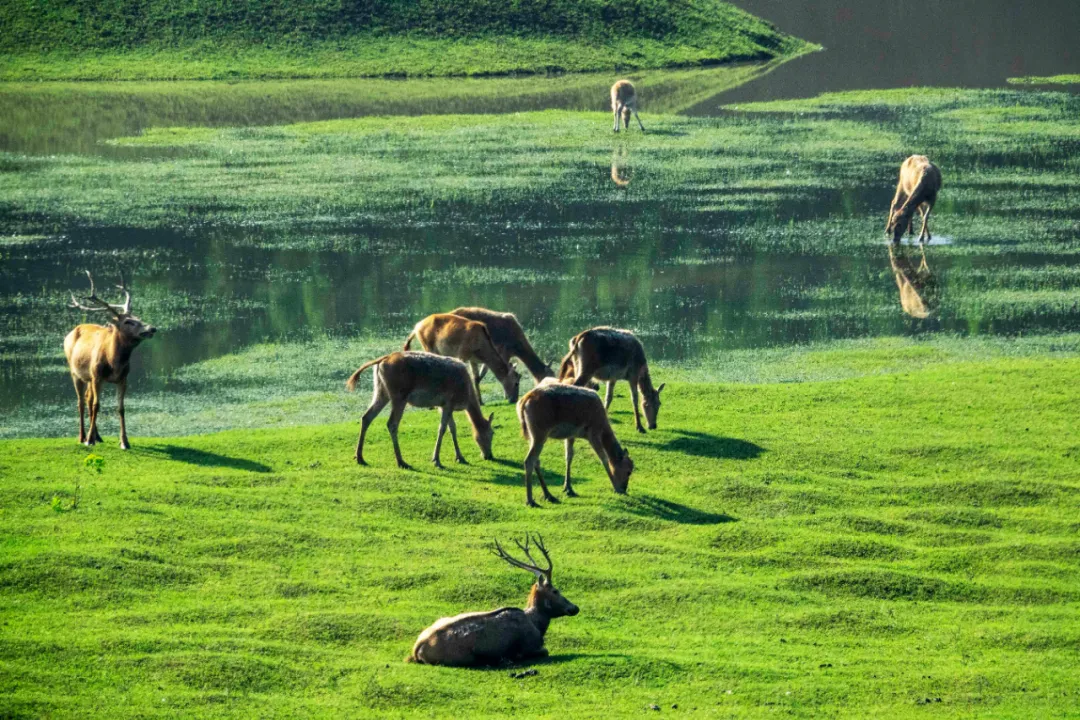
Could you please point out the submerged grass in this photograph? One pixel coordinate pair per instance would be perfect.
(852, 547)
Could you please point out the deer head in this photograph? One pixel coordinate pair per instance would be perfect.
(544, 597)
(650, 403)
(620, 468)
(512, 382)
(127, 324)
(483, 434)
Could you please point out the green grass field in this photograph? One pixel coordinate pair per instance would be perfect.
(224, 39)
(849, 548)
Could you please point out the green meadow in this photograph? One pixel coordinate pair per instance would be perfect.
(858, 547)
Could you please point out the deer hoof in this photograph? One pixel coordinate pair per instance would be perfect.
(531, 503)
(461, 461)
(551, 498)
(438, 465)
(125, 446)
(361, 461)
(641, 429)
(404, 465)
(569, 492)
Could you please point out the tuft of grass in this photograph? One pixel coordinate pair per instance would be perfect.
(1046, 80)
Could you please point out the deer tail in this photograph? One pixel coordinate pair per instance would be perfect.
(521, 417)
(408, 340)
(350, 384)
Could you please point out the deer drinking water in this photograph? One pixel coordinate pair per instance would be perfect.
(611, 355)
(97, 354)
(427, 381)
(624, 102)
(467, 340)
(509, 633)
(509, 339)
(567, 412)
(920, 182)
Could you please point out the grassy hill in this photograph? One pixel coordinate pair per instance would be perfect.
(195, 39)
(853, 548)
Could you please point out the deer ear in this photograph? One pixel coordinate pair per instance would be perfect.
(490, 418)
(659, 389)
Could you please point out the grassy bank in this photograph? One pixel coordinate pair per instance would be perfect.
(854, 547)
(217, 39)
(1046, 80)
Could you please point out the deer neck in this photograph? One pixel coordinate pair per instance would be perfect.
(612, 448)
(532, 361)
(122, 345)
(472, 409)
(540, 619)
(645, 381)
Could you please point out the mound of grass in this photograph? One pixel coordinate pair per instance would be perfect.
(847, 548)
(200, 39)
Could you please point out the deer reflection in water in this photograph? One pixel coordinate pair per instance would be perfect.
(917, 284)
(621, 171)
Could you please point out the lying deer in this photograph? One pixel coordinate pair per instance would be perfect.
(98, 354)
(624, 102)
(920, 182)
(506, 634)
(458, 337)
(427, 381)
(566, 412)
(509, 339)
(611, 355)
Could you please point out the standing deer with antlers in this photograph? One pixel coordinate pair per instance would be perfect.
(509, 633)
(99, 354)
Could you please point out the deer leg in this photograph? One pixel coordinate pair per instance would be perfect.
(618, 111)
(121, 390)
(443, 422)
(378, 402)
(926, 222)
(477, 377)
(397, 409)
(638, 118)
(453, 436)
(610, 394)
(637, 409)
(80, 390)
(94, 402)
(567, 488)
(532, 462)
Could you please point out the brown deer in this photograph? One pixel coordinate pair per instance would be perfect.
(509, 339)
(427, 381)
(97, 354)
(566, 412)
(624, 102)
(506, 634)
(611, 355)
(458, 337)
(920, 182)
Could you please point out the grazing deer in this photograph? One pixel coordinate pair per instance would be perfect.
(427, 381)
(458, 337)
(509, 339)
(506, 634)
(567, 412)
(97, 354)
(624, 102)
(920, 182)
(611, 355)
(918, 288)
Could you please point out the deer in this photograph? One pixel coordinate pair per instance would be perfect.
(458, 337)
(98, 354)
(508, 634)
(624, 102)
(920, 182)
(509, 339)
(427, 381)
(611, 355)
(567, 412)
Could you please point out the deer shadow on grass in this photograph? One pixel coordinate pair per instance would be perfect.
(659, 509)
(202, 458)
(554, 659)
(699, 444)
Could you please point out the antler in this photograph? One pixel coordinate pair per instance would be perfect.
(98, 305)
(126, 307)
(542, 574)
